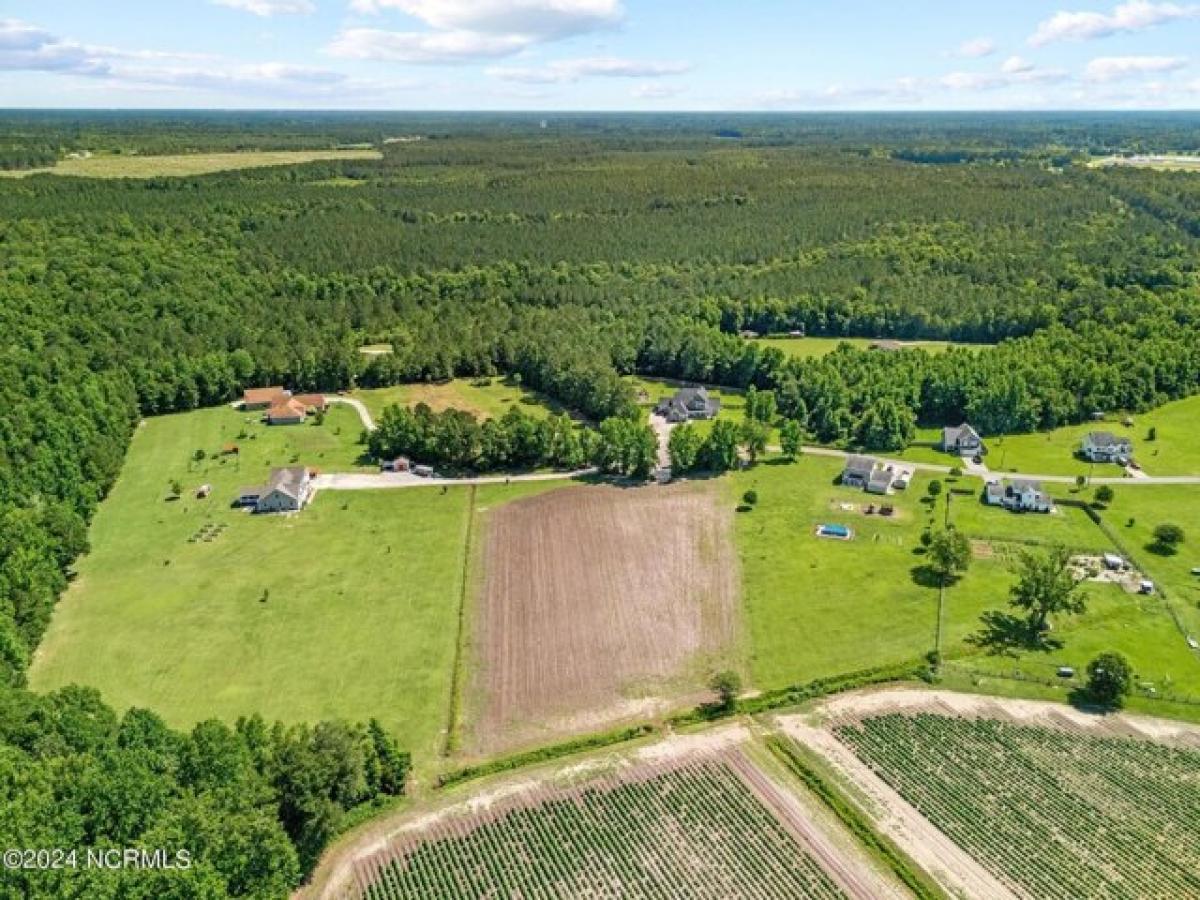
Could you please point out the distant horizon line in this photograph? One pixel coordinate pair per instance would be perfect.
(596, 112)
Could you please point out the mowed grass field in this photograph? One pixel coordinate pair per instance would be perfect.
(485, 400)
(812, 347)
(817, 607)
(197, 610)
(184, 164)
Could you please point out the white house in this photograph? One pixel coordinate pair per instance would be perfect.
(858, 470)
(1104, 446)
(962, 440)
(1018, 495)
(287, 490)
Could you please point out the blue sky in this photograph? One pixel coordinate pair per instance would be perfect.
(600, 54)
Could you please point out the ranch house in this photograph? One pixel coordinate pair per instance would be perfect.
(868, 473)
(287, 490)
(1104, 446)
(1018, 495)
(688, 403)
(962, 440)
(264, 397)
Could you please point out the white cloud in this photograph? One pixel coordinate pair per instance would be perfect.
(977, 48)
(26, 47)
(433, 47)
(266, 8)
(1128, 17)
(566, 70)
(1015, 65)
(655, 91)
(1116, 68)
(534, 19)
(467, 30)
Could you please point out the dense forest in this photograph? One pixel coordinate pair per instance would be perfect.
(570, 256)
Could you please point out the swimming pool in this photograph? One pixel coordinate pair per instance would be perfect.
(834, 531)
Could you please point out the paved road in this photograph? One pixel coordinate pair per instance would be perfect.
(363, 413)
(1052, 479)
(373, 481)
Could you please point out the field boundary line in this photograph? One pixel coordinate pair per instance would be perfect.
(456, 687)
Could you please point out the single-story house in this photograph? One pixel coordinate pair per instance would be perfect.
(1018, 495)
(312, 401)
(962, 440)
(858, 470)
(880, 481)
(1104, 446)
(287, 412)
(688, 403)
(262, 398)
(287, 490)
(399, 464)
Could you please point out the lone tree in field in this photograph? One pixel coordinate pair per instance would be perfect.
(1046, 585)
(949, 553)
(176, 488)
(1110, 678)
(1104, 495)
(1167, 538)
(726, 685)
(791, 438)
(935, 488)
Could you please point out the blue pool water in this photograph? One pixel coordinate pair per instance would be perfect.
(840, 531)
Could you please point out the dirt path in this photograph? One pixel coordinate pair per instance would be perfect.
(662, 430)
(352, 859)
(364, 414)
(951, 867)
(375, 481)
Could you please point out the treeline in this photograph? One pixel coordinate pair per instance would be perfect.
(621, 445)
(241, 811)
(456, 439)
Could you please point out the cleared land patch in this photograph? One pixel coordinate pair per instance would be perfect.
(490, 398)
(197, 610)
(813, 347)
(1067, 805)
(594, 597)
(184, 164)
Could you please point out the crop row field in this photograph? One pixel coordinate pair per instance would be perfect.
(1051, 813)
(711, 826)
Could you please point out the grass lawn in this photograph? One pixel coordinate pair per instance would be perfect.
(1051, 452)
(1067, 525)
(1149, 506)
(490, 400)
(348, 609)
(120, 166)
(1175, 450)
(816, 606)
(812, 347)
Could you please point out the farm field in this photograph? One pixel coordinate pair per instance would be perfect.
(1045, 816)
(705, 824)
(484, 401)
(1053, 813)
(818, 607)
(813, 347)
(596, 601)
(185, 164)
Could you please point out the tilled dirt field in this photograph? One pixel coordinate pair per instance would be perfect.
(596, 600)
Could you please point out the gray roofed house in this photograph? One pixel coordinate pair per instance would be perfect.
(880, 481)
(858, 470)
(962, 440)
(1018, 495)
(688, 403)
(1104, 446)
(287, 490)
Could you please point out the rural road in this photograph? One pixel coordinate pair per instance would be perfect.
(372, 481)
(1053, 479)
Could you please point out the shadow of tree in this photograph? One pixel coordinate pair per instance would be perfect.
(927, 576)
(1003, 634)
(1160, 549)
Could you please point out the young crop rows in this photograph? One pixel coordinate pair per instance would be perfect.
(695, 829)
(1052, 813)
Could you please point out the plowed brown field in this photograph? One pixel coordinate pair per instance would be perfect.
(597, 602)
